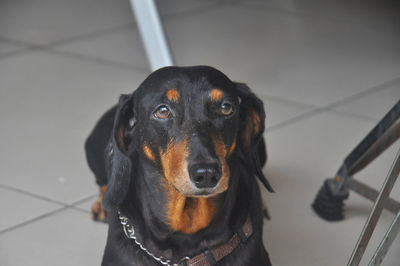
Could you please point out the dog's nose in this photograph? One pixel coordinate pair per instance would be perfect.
(205, 175)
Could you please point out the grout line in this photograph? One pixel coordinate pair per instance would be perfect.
(126, 25)
(24, 47)
(34, 195)
(97, 60)
(330, 107)
(358, 116)
(44, 198)
(296, 119)
(284, 100)
(309, 114)
(364, 93)
(76, 208)
(18, 43)
(63, 207)
(49, 49)
(88, 35)
(40, 217)
(43, 216)
(83, 200)
(103, 31)
(66, 40)
(51, 45)
(15, 52)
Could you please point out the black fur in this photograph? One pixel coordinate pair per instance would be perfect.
(115, 155)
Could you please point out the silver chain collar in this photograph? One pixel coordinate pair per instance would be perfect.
(129, 231)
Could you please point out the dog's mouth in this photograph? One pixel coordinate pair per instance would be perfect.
(190, 191)
(204, 193)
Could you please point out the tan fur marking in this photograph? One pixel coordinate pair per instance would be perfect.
(174, 164)
(185, 214)
(173, 95)
(216, 95)
(149, 153)
(253, 123)
(222, 153)
(97, 209)
(255, 119)
(189, 215)
(232, 147)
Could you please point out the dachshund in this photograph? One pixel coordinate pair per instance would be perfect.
(177, 163)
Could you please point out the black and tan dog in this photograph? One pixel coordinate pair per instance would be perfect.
(176, 162)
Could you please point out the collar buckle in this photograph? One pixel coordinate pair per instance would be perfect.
(182, 262)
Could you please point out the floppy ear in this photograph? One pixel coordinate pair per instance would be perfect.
(252, 117)
(118, 162)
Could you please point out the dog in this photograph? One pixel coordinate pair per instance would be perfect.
(176, 162)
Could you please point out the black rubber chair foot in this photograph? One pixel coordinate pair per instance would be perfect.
(329, 202)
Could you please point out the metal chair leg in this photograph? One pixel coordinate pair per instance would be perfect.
(375, 214)
(151, 30)
(387, 241)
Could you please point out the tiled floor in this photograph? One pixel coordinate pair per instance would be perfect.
(327, 70)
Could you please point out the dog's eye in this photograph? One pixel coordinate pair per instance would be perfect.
(226, 109)
(162, 112)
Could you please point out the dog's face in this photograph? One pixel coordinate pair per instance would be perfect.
(187, 123)
(188, 130)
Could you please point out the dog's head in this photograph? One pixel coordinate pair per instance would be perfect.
(187, 122)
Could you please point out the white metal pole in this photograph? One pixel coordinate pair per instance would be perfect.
(152, 33)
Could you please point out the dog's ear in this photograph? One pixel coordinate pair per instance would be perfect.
(252, 119)
(118, 161)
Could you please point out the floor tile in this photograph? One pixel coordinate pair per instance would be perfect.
(123, 46)
(301, 156)
(293, 58)
(175, 8)
(374, 105)
(6, 48)
(369, 14)
(289, 57)
(47, 111)
(279, 111)
(17, 208)
(66, 238)
(298, 56)
(87, 204)
(47, 21)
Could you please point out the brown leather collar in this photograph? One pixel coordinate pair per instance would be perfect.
(208, 257)
(214, 255)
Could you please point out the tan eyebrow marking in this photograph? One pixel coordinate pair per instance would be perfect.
(173, 95)
(216, 95)
(149, 153)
